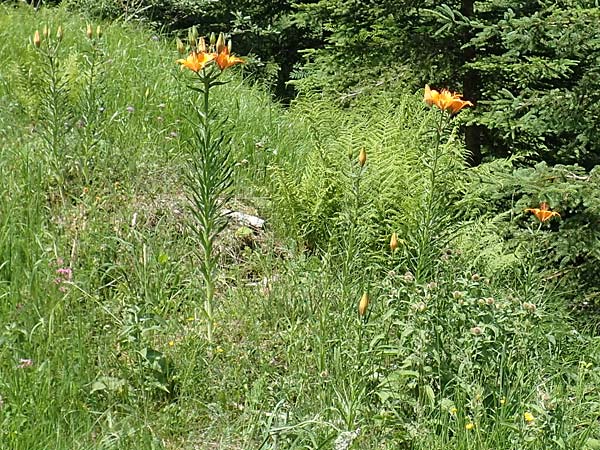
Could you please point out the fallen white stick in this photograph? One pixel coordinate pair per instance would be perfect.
(246, 219)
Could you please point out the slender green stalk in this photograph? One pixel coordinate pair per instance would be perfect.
(55, 113)
(352, 248)
(208, 262)
(427, 229)
(352, 267)
(90, 128)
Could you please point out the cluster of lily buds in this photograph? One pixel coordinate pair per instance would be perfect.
(201, 53)
(45, 35)
(89, 32)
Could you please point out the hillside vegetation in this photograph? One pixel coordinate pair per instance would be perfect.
(395, 298)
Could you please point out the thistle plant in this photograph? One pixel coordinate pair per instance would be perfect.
(433, 217)
(209, 169)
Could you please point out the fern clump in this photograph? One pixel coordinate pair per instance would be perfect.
(311, 198)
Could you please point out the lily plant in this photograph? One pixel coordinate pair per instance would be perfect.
(209, 169)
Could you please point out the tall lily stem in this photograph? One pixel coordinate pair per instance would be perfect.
(426, 248)
(55, 110)
(209, 182)
(209, 263)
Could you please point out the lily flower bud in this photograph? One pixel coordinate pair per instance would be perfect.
(213, 39)
(394, 242)
(46, 32)
(229, 45)
(88, 31)
(59, 33)
(202, 45)
(37, 41)
(180, 46)
(193, 37)
(98, 31)
(220, 43)
(362, 157)
(363, 305)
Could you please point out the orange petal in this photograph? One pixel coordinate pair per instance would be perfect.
(225, 60)
(543, 214)
(445, 100)
(456, 105)
(196, 61)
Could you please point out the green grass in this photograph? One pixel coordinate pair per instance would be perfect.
(119, 355)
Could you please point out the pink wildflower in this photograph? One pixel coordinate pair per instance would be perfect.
(65, 272)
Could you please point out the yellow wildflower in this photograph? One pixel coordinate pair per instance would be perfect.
(529, 418)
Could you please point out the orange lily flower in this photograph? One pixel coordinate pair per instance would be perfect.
(543, 213)
(445, 100)
(431, 96)
(196, 61)
(225, 60)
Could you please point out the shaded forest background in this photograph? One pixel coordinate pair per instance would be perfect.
(532, 67)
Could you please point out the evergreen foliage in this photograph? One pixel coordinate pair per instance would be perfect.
(532, 66)
(262, 30)
(498, 193)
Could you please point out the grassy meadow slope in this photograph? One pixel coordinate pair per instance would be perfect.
(465, 345)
